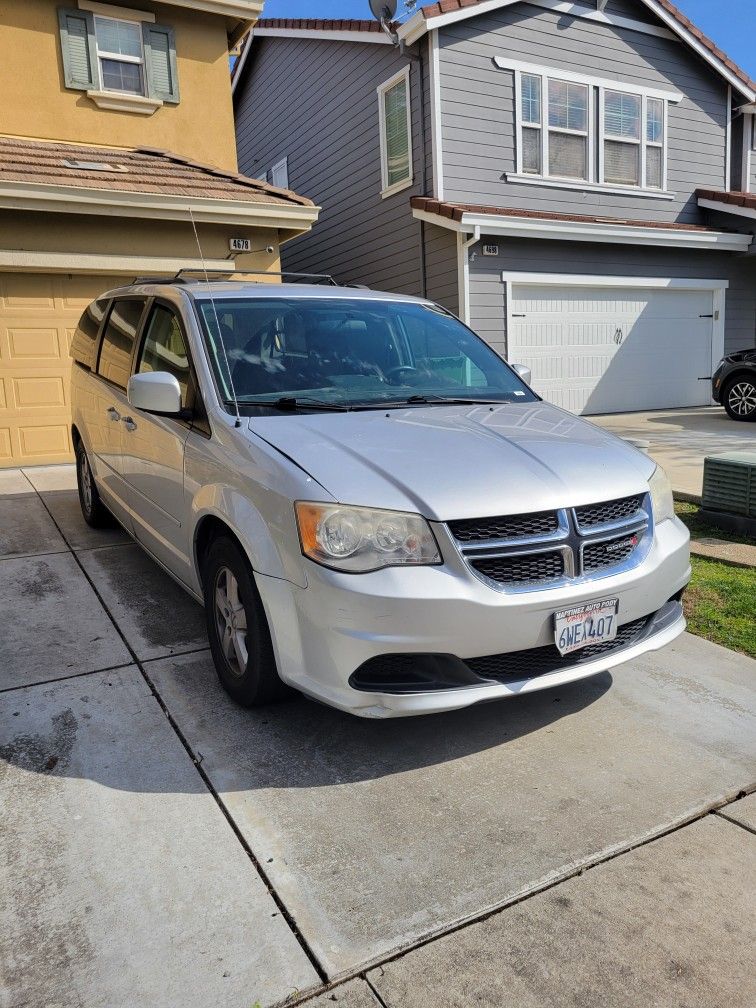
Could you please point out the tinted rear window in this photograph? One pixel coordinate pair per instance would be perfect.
(118, 341)
(84, 343)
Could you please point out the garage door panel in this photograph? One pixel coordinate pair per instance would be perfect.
(38, 317)
(27, 293)
(599, 349)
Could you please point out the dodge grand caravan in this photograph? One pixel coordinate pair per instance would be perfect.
(373, 507)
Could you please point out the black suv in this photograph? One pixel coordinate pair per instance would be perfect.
(733, 384)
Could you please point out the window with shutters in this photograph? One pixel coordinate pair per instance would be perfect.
(576, 130)
(395, 124)
(117, 59)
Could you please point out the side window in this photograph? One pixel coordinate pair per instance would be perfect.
(433, 349)
(394, 120)
(84, 343)
(118, 341)
(164, 349)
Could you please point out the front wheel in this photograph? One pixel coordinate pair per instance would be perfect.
(238, 629)
(739, 398)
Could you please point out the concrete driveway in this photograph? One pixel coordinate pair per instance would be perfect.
(162, 847)
(680, 439)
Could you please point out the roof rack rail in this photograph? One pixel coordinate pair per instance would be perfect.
(187, 275)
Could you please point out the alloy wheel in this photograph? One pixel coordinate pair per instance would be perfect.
(742, 398)
(86, 480)
(231, 621)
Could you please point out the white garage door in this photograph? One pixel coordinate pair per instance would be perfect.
(614, 350)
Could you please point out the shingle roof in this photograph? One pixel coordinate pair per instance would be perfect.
(455, 211)
(738, 199)
(141, 169)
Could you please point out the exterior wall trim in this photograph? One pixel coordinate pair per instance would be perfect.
(728, 208)
(606, 233)
(120, 203)
(718, 290)
(74, 262)
(127, 13)
(437, 139)
(415, 30)
(592, 80)
(611, 190)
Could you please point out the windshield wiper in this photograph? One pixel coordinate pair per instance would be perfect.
(294, 403)
(430, 399)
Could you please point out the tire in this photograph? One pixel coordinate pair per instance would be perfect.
(238, 629)
(94, 511)
(739, 398)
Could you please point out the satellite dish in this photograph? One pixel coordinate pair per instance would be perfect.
(383, 10)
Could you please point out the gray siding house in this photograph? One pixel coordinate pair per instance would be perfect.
(571, 178)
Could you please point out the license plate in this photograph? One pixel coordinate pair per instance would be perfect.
(593, 623)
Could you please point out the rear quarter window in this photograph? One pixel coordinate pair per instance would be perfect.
(84, 343)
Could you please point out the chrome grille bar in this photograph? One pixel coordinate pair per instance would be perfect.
(612, 545)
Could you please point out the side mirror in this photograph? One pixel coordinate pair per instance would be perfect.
(524, 372)
(155, 392)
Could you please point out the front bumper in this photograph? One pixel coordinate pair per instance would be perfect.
(324, 632)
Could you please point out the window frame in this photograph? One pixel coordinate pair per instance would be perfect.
(139, 61)
(198, 421)
(281, 165)
(382, 89)
(596, 133)
(137, 337)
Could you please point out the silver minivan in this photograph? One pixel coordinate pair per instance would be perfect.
(372, 506)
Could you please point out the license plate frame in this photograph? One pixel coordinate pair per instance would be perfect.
(589, 623)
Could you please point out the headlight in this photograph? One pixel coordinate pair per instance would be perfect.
(662, 502)
(360, 539)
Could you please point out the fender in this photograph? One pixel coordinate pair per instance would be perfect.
(237, 511)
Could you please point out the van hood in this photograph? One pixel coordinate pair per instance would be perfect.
(449, 462)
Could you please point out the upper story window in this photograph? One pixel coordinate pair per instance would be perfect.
(395, 124)
(120, 55)
(121, 62)
(574, 130)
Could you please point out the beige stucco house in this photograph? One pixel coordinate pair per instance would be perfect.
(120, 133)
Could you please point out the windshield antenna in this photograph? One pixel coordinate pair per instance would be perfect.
(217, 321)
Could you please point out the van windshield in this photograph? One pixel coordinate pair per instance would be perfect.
(349, 352)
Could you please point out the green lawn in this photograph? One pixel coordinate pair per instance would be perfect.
(720, 603)
(699, 529)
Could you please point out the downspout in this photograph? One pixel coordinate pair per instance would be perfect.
(418, 58)
(463, 271)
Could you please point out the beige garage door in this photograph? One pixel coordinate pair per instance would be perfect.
(38, 316)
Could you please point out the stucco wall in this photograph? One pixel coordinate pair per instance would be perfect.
(36, 103)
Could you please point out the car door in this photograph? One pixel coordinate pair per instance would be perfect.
(153, 446)
(109, 402)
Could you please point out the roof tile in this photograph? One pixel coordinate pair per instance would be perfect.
(141, 169)
(455, 211)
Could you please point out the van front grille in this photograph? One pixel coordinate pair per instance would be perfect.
(534, 567)
(545, 548)
(616, 510)
(521, 526)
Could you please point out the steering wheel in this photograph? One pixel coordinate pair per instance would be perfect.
(397, 372)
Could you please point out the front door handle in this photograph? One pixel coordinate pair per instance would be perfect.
(113, 413)
(129, 423)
